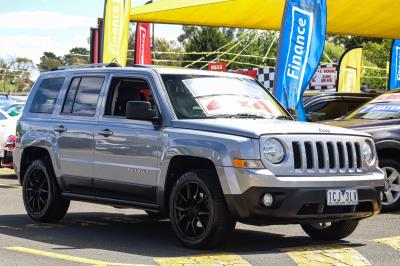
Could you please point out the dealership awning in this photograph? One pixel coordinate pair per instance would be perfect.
(373, 18)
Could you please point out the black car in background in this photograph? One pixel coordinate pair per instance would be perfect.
(380, 117)
(327, 106)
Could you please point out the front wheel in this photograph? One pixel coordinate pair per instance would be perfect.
(198, 211)
(330, 231)
(42, 198)
(391, 195)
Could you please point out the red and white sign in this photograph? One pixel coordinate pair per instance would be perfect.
(217, 66)
(250, 72)
(324, 76)
(143, 48)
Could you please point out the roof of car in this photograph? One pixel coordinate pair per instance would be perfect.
(159, 69)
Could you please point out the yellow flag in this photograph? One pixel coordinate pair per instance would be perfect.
(116, 31)
(349, 79)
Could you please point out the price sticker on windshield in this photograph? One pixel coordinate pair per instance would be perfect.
(380, 107)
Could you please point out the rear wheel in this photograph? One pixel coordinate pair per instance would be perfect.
(198, 211)
(42, 198)
(391, 195)
(330, 231)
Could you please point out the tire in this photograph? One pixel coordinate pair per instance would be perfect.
(41, 194)
(334, 231)
(198, 211)
(391, 195)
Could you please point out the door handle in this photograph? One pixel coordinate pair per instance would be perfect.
(105, 132)
(60, 129)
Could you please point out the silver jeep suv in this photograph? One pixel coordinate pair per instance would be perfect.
(205, 149)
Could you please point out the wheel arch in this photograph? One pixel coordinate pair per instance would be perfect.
(177, 166)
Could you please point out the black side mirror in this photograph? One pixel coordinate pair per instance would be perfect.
(138, 110)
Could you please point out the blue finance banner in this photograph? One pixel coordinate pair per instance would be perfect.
(300, 49)
(394, 79)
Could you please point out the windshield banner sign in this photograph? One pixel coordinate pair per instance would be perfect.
(394, 79)
(300, 49)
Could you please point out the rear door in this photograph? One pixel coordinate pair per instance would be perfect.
(127, 152)
(75, 129)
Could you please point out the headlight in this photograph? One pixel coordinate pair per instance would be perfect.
(368, 152)
(274, 151)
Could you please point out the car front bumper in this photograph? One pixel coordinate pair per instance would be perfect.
(297, 199)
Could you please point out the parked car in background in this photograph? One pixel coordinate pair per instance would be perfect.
(14, 109)
(206, 149)
(7, 129)
(327, 106)
(9, 146)
(380, 117)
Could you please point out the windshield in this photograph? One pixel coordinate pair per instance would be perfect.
(383, 107)
(198, 96)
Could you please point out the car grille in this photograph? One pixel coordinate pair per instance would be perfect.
(327, 157)
(319, 155)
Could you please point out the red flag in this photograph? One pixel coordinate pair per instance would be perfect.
(143, 47)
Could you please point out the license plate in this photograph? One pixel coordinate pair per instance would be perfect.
(341, 197)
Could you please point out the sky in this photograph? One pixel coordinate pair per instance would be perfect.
(30, 27)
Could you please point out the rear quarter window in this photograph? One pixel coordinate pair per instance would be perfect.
(46, 96)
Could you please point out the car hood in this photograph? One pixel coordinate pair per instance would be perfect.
(254, 128)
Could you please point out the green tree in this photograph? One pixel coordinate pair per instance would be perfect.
(167, 53)
(49, 61)
(203, 39)
(77, 56)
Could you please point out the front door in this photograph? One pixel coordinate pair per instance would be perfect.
(127, 152)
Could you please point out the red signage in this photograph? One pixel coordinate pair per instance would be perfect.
(217, 66)
(143, 48)
(251, 72)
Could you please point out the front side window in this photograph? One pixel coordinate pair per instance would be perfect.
(46, 96)
(201, 96)
(122, 91)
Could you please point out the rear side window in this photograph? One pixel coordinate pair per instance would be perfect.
(83, 95)
(46, 96)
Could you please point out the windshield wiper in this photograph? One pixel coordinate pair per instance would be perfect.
(283, 117)
(239, 115)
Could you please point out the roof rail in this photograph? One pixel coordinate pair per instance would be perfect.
(86, 66)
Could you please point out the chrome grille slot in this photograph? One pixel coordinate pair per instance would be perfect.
(341, 155)
(296, 155)
(321, 155)
(331, 155)
(358, 155)
(350, 155)
(309, 154)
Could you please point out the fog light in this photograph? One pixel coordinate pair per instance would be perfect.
(268, 200)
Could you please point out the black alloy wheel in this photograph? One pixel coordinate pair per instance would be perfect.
(192, 209)
(37, 192)
(198, 211)
(41, 194)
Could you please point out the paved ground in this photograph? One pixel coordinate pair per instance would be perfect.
(99, 235)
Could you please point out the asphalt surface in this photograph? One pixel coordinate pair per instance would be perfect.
(93, 234)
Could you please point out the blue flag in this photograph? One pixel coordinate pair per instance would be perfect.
(394, 79)
(301, 45)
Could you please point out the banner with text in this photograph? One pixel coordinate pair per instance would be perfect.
(394, 77)
(143, 44)
(349, 79)
(116, 31)
(300, 49)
